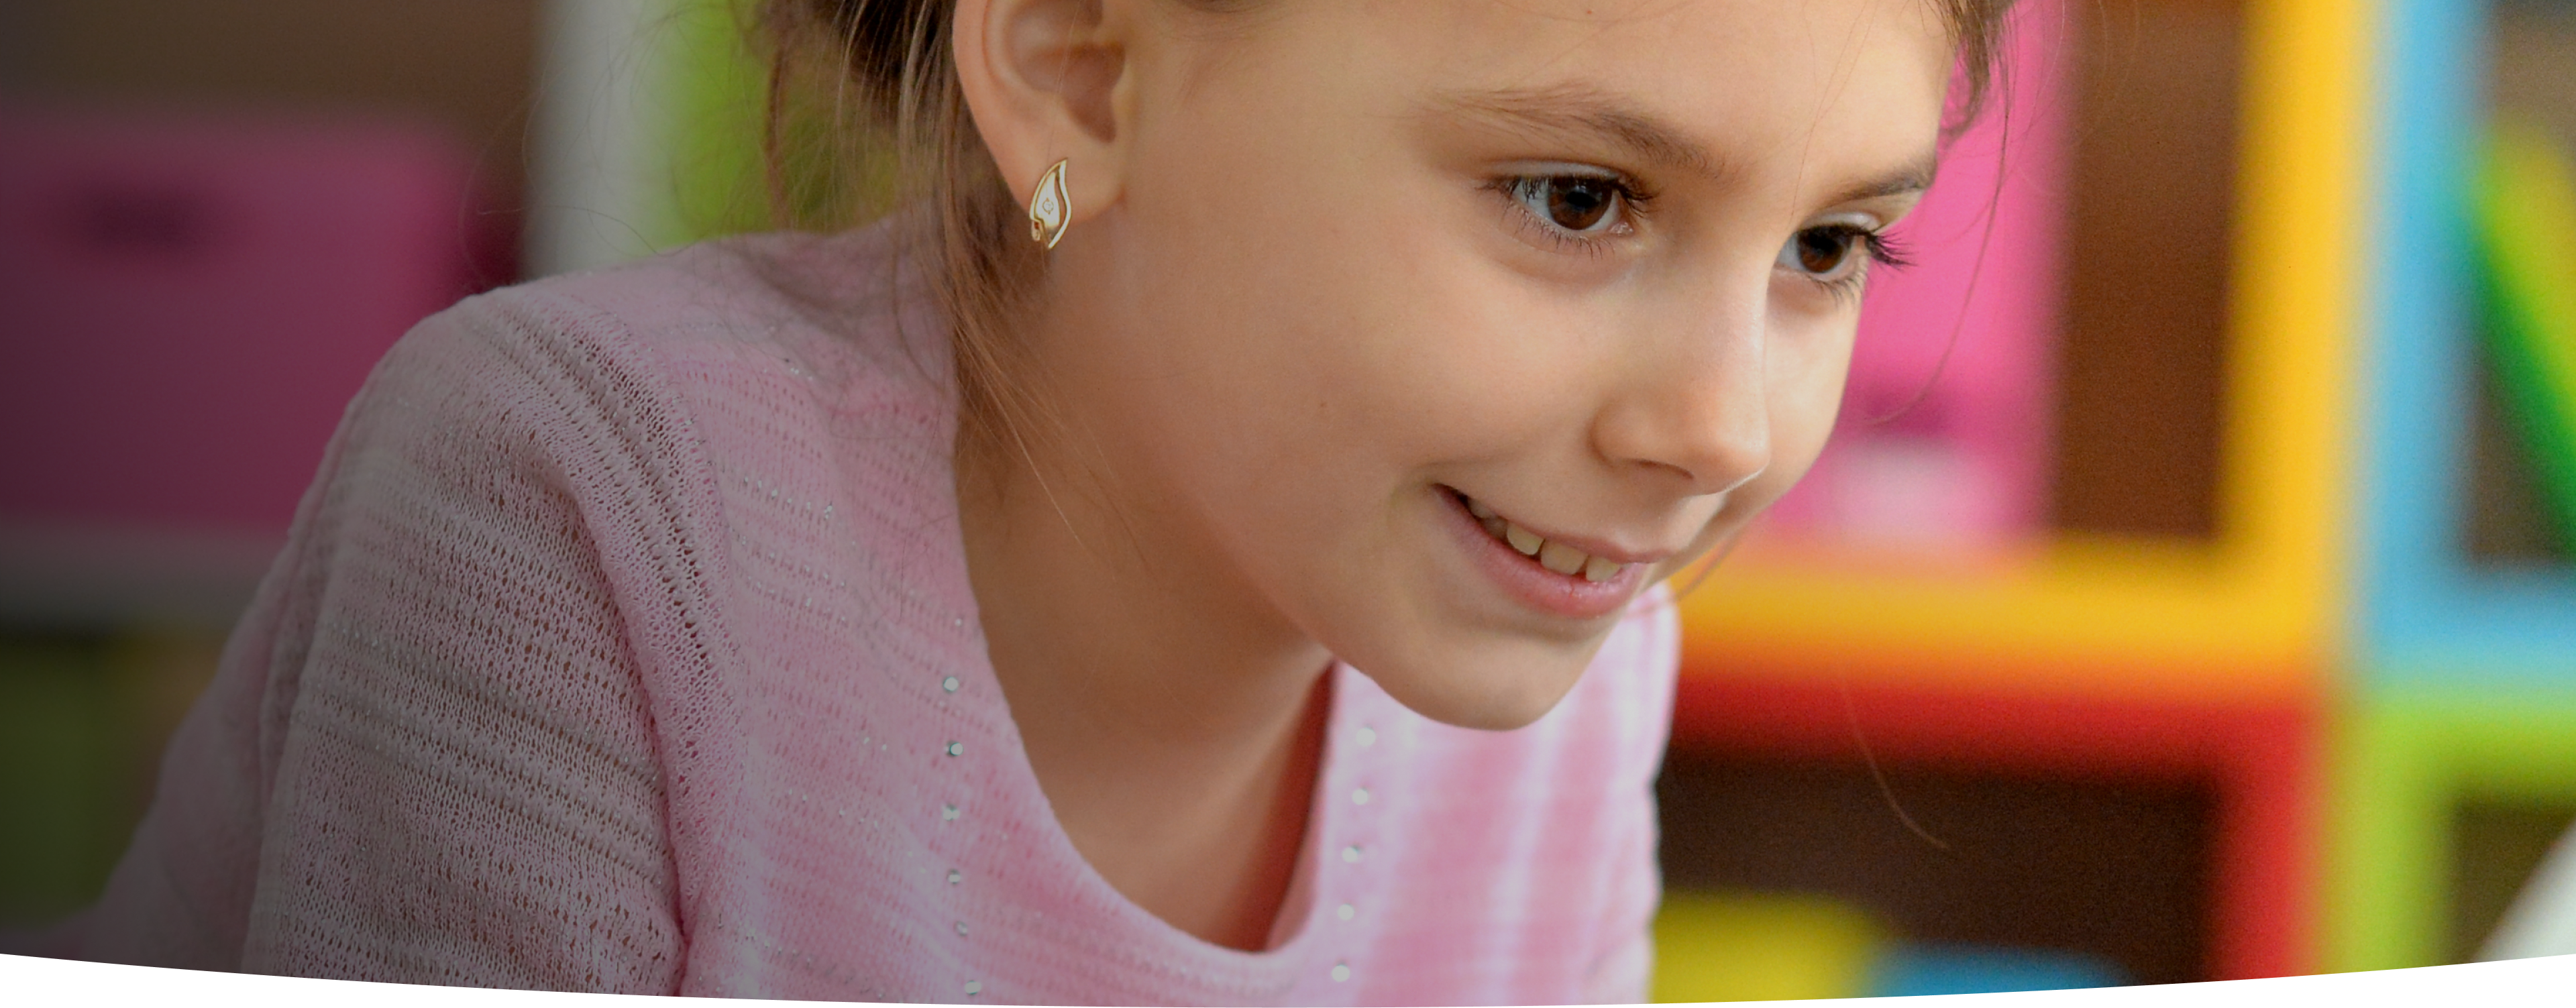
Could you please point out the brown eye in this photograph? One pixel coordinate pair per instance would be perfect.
(1578, 204)
(1825, 253)
(1582, 204)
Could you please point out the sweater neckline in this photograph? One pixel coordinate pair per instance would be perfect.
(1294, 933)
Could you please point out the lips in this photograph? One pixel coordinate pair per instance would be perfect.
(1555, 556)
(1555, 578)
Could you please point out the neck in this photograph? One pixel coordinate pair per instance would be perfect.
(1174, 730)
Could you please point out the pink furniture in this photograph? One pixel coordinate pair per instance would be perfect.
(1944, 437)
(191, 301)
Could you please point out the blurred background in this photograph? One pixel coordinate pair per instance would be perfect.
(2187, 594)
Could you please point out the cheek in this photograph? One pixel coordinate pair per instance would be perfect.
(1809, 392)
(1277, 374)
(1333, 313)
(1806, 370)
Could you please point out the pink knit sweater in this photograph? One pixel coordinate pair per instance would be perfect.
(625, 643)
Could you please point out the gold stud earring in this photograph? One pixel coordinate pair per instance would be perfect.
(1050, 209)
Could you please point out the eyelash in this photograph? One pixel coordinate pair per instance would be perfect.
(1632, 201)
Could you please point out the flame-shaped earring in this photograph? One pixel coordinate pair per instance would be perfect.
(1050, 210)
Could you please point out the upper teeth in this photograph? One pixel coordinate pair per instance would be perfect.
(1555, 556)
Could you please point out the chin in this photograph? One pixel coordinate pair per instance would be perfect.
(1496, 687)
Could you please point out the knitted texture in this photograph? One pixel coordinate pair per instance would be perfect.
(625, 643)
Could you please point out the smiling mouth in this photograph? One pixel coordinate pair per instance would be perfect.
(1557, 557)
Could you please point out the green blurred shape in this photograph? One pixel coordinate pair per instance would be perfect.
(2409, 757)
(715, 90)
(2525, 214)
(62, 786)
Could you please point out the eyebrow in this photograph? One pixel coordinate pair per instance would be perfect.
(1910, 180)
(1576, 110)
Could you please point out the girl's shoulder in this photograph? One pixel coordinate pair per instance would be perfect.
(760, 362)
(828, 311)
(704, 426)
(786, 385)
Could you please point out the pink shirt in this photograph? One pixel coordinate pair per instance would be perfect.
(624, 643)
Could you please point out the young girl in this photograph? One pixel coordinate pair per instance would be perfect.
(1201, 552)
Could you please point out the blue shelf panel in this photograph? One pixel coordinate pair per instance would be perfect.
(1919, 970)
(2425, 613)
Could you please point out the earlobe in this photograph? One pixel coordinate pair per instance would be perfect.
(1040, 79)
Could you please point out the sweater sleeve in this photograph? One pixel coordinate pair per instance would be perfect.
(467, 789)
(436, 759)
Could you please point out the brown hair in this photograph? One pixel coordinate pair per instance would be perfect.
(865, 114)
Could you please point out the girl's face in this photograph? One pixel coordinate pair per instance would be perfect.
(1396, 292)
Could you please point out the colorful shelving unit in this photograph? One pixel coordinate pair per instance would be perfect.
(2247, 769)
(2205, 661)
(2466, 669)
(2245, 615)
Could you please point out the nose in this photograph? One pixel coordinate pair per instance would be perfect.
(1693, 405)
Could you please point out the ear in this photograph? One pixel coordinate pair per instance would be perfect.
(1044, 81)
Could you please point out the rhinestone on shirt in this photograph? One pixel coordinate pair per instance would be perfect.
(961, 929)
(1351, 854)
(955, 876)
(1341, 972)
(1367, 736)
(949, 684)
(1359, 796)
(948, 813)
(957, 748)
(974, 987)
(1346, 911)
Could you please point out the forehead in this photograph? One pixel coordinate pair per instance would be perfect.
(1735, 72)
(1665, 39)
